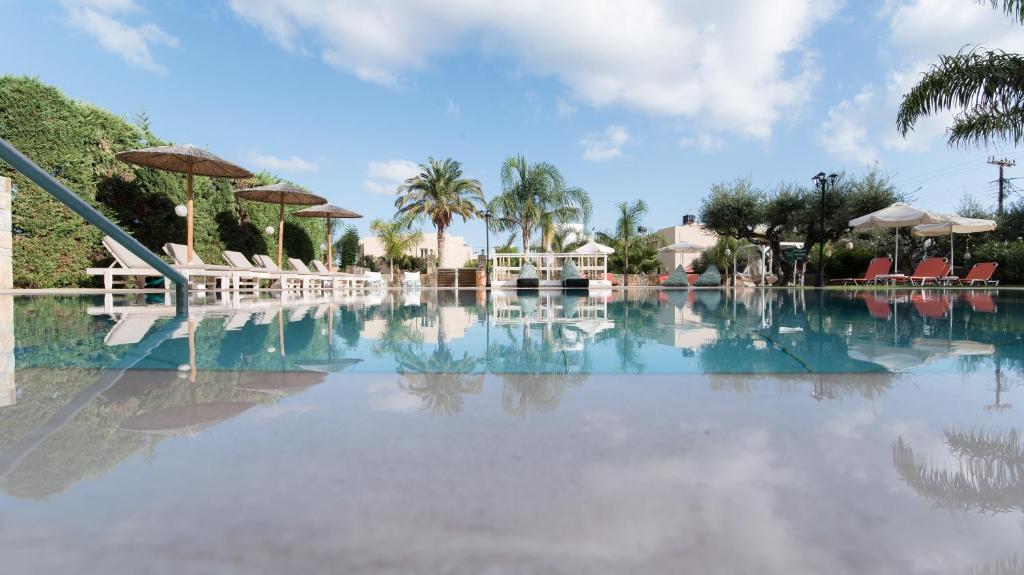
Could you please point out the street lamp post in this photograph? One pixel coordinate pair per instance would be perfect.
(487, 241)
(822, 181)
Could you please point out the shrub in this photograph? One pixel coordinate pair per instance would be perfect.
(1009, 256)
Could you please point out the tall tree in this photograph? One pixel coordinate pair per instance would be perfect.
(790, 212)
(439, 193)
(396, 237)
(635, 250)
(984, 86)
(347, 247)
(535, 196)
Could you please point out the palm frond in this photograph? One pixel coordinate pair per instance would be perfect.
(986, 85)
(1012, 8)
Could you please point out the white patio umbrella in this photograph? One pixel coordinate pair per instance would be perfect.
(684, 247)
(955, 225)
(898, 215)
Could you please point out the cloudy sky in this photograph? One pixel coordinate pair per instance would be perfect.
(652, 99)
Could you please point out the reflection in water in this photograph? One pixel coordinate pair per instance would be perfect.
(758, 415)
(989, 477)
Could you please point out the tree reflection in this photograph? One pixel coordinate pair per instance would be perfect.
(988, 479)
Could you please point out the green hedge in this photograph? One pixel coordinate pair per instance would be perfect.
(1009, 256)
(76, 142)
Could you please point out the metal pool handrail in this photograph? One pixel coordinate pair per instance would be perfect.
(44, 180)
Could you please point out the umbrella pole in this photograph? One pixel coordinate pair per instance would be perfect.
(189, 237)
(330, 259)
(280, 235)
(952, 271)
(897, 268)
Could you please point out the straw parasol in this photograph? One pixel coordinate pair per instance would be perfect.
(898, 215)
(328, 212)
(955, 225)
(185, 159)
(281, 193)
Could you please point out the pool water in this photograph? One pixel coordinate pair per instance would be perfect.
(710, 431)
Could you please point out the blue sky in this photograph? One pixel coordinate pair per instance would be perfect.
(649, 99)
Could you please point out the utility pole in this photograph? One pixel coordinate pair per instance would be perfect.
(1003, 163)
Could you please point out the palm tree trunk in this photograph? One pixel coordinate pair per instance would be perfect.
(440, 247)
(391, 264)
(526, 238)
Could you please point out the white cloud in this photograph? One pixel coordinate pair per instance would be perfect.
(703, 142)
(732, 66)
(453, 109)
(564, 108)
(104, 21)
(844, 133)
(919, 31)
(605, 146)
(384, 177)
(275, 164)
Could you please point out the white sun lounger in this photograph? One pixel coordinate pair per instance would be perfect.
(288, 279)
(349, 280)
(126, 264)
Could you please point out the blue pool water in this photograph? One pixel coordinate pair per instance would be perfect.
(701, 431)
(671, 332)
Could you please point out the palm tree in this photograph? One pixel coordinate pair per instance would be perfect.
(440, 193)
(536, 196)
(396, 237)
(627, 238)
(985, 85)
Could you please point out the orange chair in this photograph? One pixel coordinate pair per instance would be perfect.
(876, 267)
(981, 273)
(929, 269)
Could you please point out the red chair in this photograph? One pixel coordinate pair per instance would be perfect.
(929, 269)
(981, 273)
(876, 267)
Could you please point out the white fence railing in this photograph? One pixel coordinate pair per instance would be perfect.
(505, 267)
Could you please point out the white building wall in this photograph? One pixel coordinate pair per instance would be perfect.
(457, 251)
(693, 233)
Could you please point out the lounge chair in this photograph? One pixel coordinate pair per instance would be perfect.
(350, 279)
(374, 280)
(981, 273)
(248, 273)
(928, 270)
(126, 264)
(288, 279)
(876, 267)
(411, 280)
(313, 279)
(235, 277)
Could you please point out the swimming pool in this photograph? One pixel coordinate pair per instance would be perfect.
(452, 431)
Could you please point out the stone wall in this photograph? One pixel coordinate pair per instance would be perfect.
(638, 280)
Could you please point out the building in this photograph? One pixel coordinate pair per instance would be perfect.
(456, 251)
(690, 231)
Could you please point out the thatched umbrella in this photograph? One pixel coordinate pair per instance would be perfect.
(185, 159)
(281, 193)
(328, 212)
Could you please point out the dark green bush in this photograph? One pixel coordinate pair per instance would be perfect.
(1009, 256)
(76, 142)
